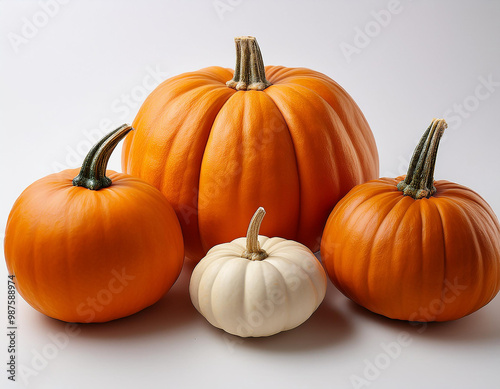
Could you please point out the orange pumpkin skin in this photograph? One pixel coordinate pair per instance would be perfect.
(82, 255)
(431, 259)
(217, 154)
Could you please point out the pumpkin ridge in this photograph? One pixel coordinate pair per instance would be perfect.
(200, 279)
(164, 156)
(496, 261)
(340, 207)
(335, 89)
(359, 149)
(39, 267)
(209, 73)
(404, 208)
(34, 233)
(267, 291)
(489, 223)
(13, 230)
(36, 269)
(460, 204)
(395, 232)
(247, 184)
(425, 294)
(426, 215)
(271, 73)
(353, 215)
(277, 245)
(497, 271)
(251, 274)
(287, 297)
(198, 82)
(244, 287)
(481, 226)
(211, 313)
(335, 166)
(212, 72)
(422, 297)
(480, 271)
(343, 205)
(72, 206)
(69, 268)
(445, 258)
(346, 126)
(281, 74)
(462, 193)
(299, 193)
(203, 155)
(311, 282)
(391, 205)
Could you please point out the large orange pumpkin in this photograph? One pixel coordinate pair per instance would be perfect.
(413, 249)
(288, 139)
(93, 248)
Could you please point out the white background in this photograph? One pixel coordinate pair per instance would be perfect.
(75, 75)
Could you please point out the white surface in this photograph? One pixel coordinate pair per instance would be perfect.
(74, 74)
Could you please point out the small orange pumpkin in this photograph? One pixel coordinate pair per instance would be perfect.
(413, 249)
(288, 139)
(93, 248)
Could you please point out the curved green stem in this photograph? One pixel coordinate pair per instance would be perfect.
(93, 172)
(249, 72)
(253, 251)
(419, 181)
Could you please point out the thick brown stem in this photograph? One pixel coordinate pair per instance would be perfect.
(419, 181)
(253, 251)
(249, 72)
(93, 172)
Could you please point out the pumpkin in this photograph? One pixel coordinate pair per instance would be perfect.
(257, 286)
(412, 248)
(95, 247)
(289, 139)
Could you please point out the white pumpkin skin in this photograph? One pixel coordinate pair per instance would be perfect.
(252, 298)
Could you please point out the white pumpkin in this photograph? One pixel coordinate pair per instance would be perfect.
(257, 286)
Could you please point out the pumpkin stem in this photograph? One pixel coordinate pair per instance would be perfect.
(419, 181)
(249, 72)
(93, 172)
(253, 251)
